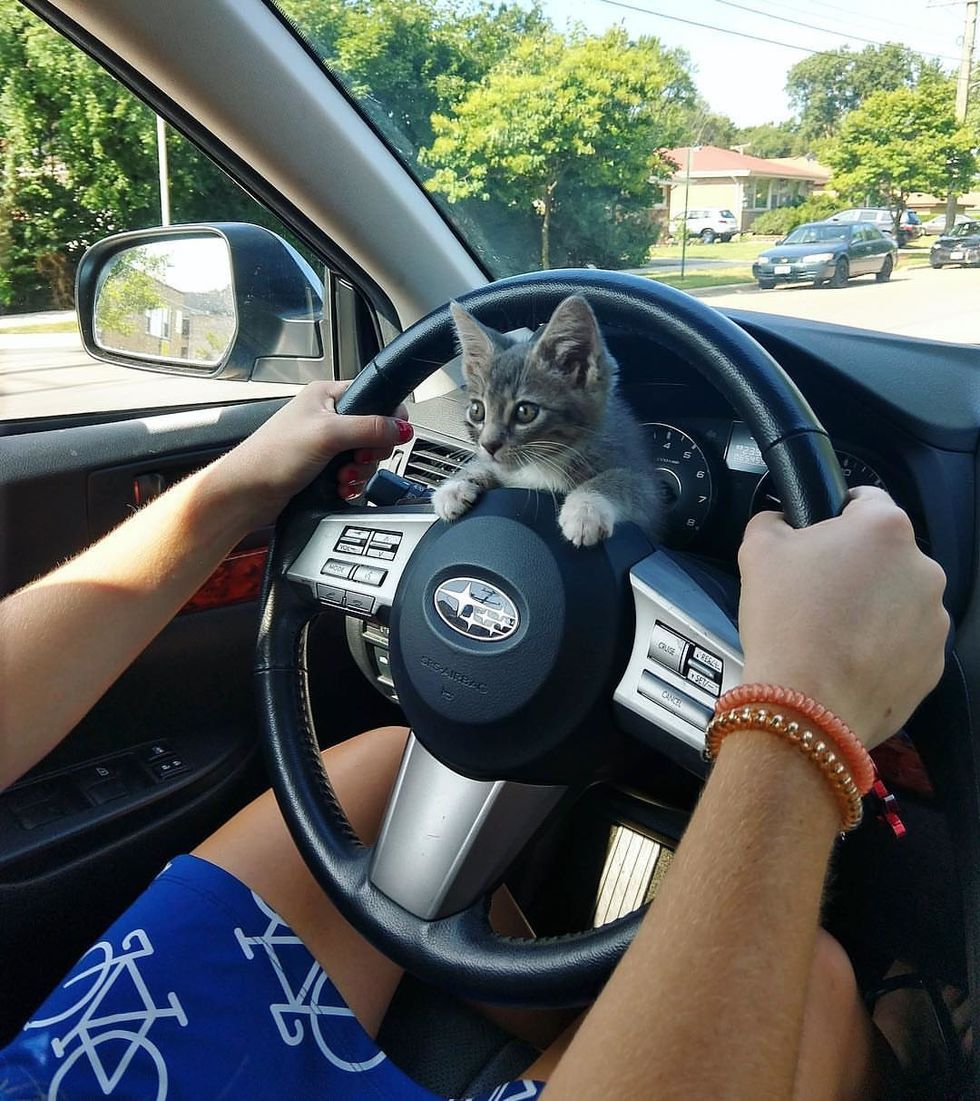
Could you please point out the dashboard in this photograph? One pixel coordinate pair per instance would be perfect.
(891, 424)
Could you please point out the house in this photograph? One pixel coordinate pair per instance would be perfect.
(927, 206)
(710, 177)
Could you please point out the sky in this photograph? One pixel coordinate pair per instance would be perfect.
(745, 79)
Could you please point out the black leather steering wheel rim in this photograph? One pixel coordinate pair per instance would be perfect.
(460, 951)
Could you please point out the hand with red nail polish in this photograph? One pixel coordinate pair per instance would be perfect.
(293, 446)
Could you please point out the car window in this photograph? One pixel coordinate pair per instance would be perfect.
(81, 160)
(545, 143)
(808, 235)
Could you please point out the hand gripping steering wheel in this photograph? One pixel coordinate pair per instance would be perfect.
(514, 654)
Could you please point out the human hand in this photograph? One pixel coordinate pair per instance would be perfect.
(296, 443)
(848, 611)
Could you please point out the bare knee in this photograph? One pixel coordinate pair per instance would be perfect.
(832, 976)
(362, 772)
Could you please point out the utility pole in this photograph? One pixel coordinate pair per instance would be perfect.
(963, 90)
(164, 176)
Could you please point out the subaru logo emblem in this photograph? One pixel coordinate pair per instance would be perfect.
(476, 609)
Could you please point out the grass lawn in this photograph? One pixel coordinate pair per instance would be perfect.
(747, 249)
(41, 327)
(703, 278)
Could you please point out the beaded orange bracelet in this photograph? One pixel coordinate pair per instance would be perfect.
(843, 787)
(849, 747)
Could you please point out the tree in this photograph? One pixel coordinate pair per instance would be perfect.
(899, 142)
(825, 87)
(405, 60)
(705, 127)
(561, 123)
(771, 139)
(78, 162)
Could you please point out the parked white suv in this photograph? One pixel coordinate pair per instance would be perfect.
(708, 224)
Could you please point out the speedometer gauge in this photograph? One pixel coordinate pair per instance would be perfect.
(686, 480)
(856, 473)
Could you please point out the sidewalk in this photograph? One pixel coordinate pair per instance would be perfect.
(24, 320)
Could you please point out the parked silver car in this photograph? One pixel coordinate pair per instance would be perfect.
(909, 227)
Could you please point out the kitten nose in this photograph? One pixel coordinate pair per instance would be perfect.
(491, 447)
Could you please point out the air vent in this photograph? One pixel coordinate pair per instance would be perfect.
(432, 463)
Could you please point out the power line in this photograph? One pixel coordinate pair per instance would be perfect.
(823, 7)
(814, 27)
(725, 30)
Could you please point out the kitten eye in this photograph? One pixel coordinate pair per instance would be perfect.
(476, 412)
(526, 411)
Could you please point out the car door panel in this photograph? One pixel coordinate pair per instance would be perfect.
(171, 750)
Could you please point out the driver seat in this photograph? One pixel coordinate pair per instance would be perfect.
(447, 1046)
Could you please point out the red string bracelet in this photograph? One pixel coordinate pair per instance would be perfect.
(850, 748)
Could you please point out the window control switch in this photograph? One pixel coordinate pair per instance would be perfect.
(166, 767)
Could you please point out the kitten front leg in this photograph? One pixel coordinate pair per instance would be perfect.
(587, 517)
(458, 495)
(591, 511)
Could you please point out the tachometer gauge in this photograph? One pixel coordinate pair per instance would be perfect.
(686, 478)
(856, 473)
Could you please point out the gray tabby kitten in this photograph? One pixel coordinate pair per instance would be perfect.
(546, 414)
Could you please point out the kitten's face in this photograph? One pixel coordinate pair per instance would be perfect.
(535, 401)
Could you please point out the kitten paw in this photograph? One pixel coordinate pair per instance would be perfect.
(453, 498)
(587, 519)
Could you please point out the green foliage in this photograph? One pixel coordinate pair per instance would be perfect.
(785, 218)
(570, 129)
(825, 87)
(899, 142)
(78, 161)
(408, 59)
(704, 127)
(771, 139)
(131, 287)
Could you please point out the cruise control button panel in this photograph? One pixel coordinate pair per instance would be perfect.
(686, 653)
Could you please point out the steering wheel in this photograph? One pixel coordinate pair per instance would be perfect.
(512, 652)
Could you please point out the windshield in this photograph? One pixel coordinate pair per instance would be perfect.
(965, 229)
(618, 136)
(808, 235)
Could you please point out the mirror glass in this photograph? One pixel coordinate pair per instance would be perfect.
(169, 300)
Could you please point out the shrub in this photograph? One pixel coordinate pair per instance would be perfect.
(786, 218)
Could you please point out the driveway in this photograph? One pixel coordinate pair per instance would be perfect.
(934, 305)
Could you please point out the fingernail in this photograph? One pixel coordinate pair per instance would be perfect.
(405, 431)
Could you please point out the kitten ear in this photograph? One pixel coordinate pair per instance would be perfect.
(571, 341)
(475, 340)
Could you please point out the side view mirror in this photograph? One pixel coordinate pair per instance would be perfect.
(227, 300)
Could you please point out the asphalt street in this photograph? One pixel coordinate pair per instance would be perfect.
(934, 305)
(45, 375)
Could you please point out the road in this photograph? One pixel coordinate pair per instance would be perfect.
(48, 374)
(934, 305)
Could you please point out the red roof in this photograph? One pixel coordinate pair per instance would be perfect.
(710, 160)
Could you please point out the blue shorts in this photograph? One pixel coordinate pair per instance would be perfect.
(201, 991)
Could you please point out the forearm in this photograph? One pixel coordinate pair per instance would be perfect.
(708, 1001)
(65, 638)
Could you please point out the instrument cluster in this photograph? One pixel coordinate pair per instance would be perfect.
(714, 479)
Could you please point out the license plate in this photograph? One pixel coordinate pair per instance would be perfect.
(958, 255)
(782, 269)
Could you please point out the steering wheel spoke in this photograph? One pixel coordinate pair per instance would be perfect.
(355, 558)
(686, 653)
(446, 839)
